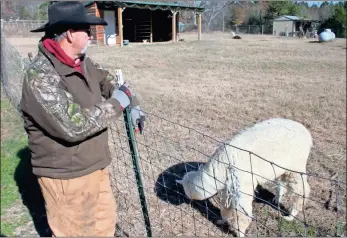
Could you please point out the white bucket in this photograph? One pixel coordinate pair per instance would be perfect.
(111, 40)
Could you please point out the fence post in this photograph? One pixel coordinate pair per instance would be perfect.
(249, 29)
(136, 167)
(262, 29)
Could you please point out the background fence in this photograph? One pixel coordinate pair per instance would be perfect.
(238, 29)
(12, 71)
(167, 151)
(252, 29)
(20, 28)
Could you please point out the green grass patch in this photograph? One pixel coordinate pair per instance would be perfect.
(9, 163)
(13, 140)
(8, 227)
(340, 228)
(295, 228)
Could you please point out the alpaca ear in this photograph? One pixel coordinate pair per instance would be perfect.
(179, 181)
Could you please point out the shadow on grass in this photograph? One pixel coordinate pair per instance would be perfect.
(30, 192)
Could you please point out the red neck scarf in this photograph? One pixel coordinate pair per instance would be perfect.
(54, 48)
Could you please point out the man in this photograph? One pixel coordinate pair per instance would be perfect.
(67, 104)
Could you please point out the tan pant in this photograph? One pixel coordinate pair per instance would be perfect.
(82, 206)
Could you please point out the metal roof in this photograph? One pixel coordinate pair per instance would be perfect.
(147, 5)
(289, 18)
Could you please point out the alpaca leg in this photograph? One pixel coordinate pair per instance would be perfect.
(226, 212)
(243, 215)
(280, 191)
(301, 191)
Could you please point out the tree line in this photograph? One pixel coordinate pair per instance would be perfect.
(225, 14)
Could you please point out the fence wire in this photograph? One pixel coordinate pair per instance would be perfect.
(13, 67)
(252, 29)
(168, 150)
(20, 28)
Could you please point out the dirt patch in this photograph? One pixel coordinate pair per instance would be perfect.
(25, 45)
(18, 213)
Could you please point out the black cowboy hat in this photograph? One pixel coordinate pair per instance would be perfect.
(68, 13)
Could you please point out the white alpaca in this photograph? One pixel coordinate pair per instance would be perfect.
(283, 142)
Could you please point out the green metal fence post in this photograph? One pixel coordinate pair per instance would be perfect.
(135, 160)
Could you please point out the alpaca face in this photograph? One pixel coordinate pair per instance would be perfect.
(193, 190)
(187, 185)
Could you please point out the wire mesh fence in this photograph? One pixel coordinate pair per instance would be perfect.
(13, 66)
(252, 29)
(167, 151)
(20, 28)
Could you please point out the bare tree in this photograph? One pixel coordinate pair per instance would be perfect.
(326, 11)
(23, 10)
(8, 10)
(213, 8)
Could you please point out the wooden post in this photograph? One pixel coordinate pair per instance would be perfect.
(199, 26)
(286, 30)
(151, 34)
(223, 24)
(174, 25)
(120, 25)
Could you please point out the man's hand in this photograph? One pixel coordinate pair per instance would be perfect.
(127, 98)
(123, 95)
(138, 118)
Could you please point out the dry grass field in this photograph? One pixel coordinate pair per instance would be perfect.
(218, 86)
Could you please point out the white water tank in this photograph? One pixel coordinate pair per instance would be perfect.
(112, 39)
(326, 35)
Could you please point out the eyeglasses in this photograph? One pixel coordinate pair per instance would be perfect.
(88, 31)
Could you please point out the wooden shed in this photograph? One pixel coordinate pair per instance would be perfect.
(290, 25)
(138, 21)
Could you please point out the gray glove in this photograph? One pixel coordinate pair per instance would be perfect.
(123, 95)
(138, 118)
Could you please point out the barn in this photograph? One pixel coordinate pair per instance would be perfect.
(290, 25)
(131, 21)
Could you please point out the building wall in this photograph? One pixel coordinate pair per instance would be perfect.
(282, 27)
(110, 29)
(91, 10)
(97, 31)
(137, 29)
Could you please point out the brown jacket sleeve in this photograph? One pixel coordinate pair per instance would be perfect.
(107, 79)
(55, 111)
(108, 82)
